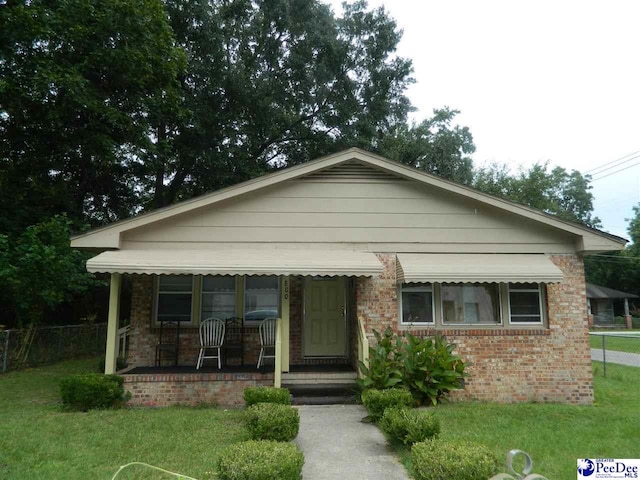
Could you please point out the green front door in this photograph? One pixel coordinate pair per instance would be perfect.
(324, 329)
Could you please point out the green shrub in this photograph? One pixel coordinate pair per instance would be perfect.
(430, 370)
(93, 390)
(253, 395)
(376, 401)
(408, 425)
(272, 421)
(438, 460)
(260, 460)
(384, 363)
(426, 366)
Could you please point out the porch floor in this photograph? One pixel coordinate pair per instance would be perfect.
(190, 369)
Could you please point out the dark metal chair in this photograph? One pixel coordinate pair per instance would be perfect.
(168, 342)
(234, 341)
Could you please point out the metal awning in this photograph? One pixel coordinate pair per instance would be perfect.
(476, 268)
(238, 262)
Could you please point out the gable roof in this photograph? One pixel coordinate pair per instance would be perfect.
(108, 237)
(596, 291)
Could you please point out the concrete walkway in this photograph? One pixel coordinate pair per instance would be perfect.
(612, 356)
(337, 445)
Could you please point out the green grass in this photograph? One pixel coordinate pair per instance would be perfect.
(40, 441)
(554, 435)
(623, 344)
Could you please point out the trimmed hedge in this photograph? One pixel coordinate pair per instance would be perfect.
(260, 460)
(271, 421)
(438, 460)
(92, 391)
(408, 425)
(377, 401)
(253, 395)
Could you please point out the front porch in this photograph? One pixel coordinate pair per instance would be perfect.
(298, 359)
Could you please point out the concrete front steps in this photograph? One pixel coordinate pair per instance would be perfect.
(321, 388)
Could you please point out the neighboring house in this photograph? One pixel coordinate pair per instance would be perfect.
(604, 304)
(340, 247)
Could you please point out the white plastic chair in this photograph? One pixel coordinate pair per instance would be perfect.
(211, 338)
(267, 339)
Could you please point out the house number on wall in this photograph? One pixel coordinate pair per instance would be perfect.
(286, 289)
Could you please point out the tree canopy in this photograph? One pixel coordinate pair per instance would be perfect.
(556, 191)
(111, 108)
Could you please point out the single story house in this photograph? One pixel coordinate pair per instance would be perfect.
(604, 304)
(337, 248)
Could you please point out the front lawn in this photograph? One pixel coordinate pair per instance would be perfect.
(555, 435)
(620, 344)
(39, 441)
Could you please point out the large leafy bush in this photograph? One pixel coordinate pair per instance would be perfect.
(430, 369)
(384, 363)
(425, 366)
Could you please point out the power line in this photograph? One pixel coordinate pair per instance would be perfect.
(617, 171)
(616, 166)
(613, 161)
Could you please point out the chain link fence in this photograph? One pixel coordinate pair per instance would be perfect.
(621, 348)
(32, 347)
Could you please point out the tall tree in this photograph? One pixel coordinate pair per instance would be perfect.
(435, 146)
(273, 83)
(79, 80)
(39, 270)
(559, 192)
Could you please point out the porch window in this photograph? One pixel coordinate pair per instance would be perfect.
(525, 304)
(416, 303)
(261, 298)
(218, 297)
(175, 293)
(470, 304)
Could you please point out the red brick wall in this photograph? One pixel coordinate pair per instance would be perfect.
(192, 389)
(551, 364)
(143, 337)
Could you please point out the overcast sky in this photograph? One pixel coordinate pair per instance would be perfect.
(535, 81)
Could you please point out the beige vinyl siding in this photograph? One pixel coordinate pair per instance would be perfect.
(385, 214)
(356, 183)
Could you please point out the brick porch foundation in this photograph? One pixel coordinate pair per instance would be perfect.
(162, 390)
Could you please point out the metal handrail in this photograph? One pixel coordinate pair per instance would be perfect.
(123, 338)
(363, 346)
(277, 374)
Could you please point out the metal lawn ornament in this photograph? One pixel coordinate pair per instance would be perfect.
(526, 471)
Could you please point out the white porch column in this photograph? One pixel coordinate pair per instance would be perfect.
(112, 325)
(284, 314)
